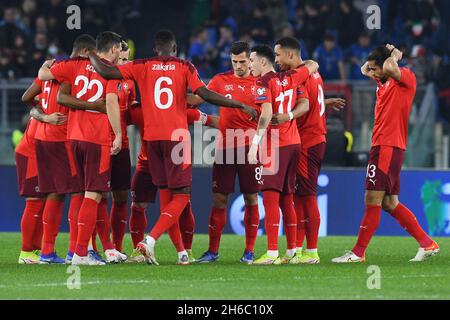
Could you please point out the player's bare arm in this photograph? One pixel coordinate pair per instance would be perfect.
(44, 73)
(263, 123)
(390, 66)
(66, 99)
(194, 99)
(55, 118)
(213, 122)
(300, 109)
(336, 104)
(30, 95)
(113, 112)
(106, 71)
(219, 100)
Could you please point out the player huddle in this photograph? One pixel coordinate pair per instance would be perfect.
(272, 136)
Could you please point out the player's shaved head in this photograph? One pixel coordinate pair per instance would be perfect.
(83, 44)
(264, 51)
(165, 43)
(107, 40)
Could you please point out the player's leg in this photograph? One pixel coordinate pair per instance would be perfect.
(76, 199)
(187, 228)
(290, 228)
(138, 224)
(178, 178)
(165, 197)
(31, 223)
(407, 219)
(120, 184)
(119, 217)
(51, 218)
(271, 200)
(251, 224)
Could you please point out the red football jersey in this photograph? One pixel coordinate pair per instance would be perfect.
(26, 144)
(87, 85)
(240, 89)
(393, 105)
(49, 94)
(280, 89)
(126, 92)
(163, 83)
(312, 126)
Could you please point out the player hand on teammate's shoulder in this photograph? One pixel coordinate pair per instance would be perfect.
(312, 66)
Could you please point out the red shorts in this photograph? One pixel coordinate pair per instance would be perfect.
(93, 165)
(142, 187)
(167, 172)
(283, 179)
(383, 170)
(56, 167)
(224, 171)
(121, 170)
(27, 178)
(308, 169)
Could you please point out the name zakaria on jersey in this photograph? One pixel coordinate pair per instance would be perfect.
(163, 84)
(312, 126)
(87, 85)
(393, 105)
(49, 104)
(280, 89)
(241, 89)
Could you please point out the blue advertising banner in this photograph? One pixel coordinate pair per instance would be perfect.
(341, 202)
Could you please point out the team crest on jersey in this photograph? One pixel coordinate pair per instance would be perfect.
(261, 91)
(229, 87)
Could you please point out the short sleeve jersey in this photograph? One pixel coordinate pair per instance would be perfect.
(312, 126)
(392, 108)
(163, 83)
(87, 85)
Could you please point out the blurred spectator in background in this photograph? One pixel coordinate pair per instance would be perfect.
(358, 54)
(260, 25)
(224, 45)
(421, 20)
(10, 27)
(277, 13)
(330, 58)
(350, 23)
(310, 22)
(198, 53)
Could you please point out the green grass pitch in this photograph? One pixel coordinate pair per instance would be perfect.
(228, 279)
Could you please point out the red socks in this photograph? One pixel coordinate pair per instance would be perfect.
(271, 201)
(74, 208)
(187, 226)
(138, 224)
(409, 222)
(217, 221)
(251, 223)
(311, 210)
(170, 214)
(165, 196)
(31, 218)
(301, 220)
(289, 220)
(102, 225)
(52, 220)
(87, 219)
(119, 216)
(367, 229)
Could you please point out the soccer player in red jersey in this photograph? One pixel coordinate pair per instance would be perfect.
(56, 168)
(312, 130)
(236, 134)
(276, 93)
(163, 82)
(27, 179)
(90, 140)
(121, 94)
(396, 88)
